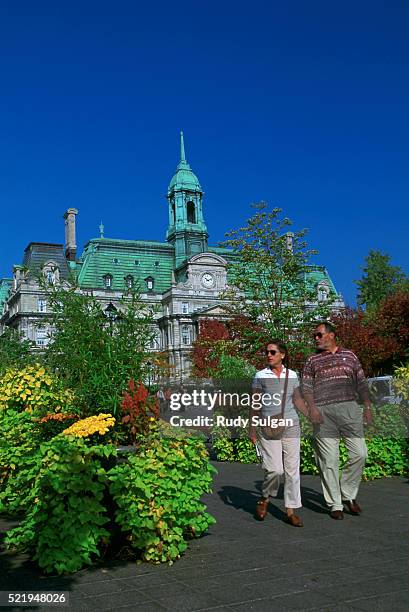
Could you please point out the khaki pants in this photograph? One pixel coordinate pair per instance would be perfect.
(340, 420)
(282, 458)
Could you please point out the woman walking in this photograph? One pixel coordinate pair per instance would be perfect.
(277, 387)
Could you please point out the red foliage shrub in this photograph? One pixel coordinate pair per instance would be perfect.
(392, 320)
(372, 349)
(138, 409)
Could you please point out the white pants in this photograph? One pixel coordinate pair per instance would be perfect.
(282, 457)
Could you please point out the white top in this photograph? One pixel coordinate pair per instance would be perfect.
(267, 382)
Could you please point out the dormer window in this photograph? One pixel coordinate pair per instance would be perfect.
(115, 261)
(191, 213)
(136, 262)
(157, 263)
(129, 281)
(150, 282)
(323, 292)
(51, 272)
(108, 281)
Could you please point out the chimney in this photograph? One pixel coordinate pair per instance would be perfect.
(70, 240)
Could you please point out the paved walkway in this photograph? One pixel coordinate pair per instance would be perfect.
(361, 563)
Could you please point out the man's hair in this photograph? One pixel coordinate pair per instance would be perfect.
(329, 327)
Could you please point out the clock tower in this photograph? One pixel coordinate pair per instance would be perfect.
(187, 230)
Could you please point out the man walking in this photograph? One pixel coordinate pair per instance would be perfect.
(333, 380)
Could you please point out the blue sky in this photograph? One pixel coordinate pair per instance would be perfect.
(302, 104)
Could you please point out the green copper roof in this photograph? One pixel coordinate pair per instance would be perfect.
(184, 177)
(319, 274)
(123, 258)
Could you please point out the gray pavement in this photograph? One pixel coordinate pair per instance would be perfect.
(360, 563)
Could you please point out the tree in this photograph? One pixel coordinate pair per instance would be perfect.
(355, 332)
(269, 282)
(380, 279)
(211, 340)
(95, 355)
(15, 351)
(392, 321)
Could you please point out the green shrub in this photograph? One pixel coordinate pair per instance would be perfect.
(158, 497)
(19, 459)
(64, 527)
(386, 457)
(307, 457)
(224, 449)
(244, 448)
(108, 352)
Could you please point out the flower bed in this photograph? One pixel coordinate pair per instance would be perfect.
(76, 500)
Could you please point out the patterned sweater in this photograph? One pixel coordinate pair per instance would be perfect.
(334, 377)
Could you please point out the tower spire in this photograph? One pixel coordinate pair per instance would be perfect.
(182, 148)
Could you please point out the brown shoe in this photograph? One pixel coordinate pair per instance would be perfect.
(293, 520)
(352, 506)
(338, 515)
(261, 508)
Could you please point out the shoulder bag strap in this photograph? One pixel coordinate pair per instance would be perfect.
(284, 398)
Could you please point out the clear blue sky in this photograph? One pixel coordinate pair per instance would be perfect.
(303, 104)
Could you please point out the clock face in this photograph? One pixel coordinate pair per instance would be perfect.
(207, 280)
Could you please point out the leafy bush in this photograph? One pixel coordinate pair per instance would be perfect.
(401, 382)
(108, 351)
(97, 424)
(307, 457)
(33, 388)
(64, 527)
(245, 451)
(386, 457)
(224, 449)
(19, 460)
(232, 367)
(158, 497)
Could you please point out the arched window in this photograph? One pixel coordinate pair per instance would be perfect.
(150, 283)
(191, 213)
(108, 281)
(129, 282)
(173, 214)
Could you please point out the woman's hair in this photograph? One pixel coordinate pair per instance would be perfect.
(281, 347)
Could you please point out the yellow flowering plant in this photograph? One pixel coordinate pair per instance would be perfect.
(100, 423)
(33, 388)
(401, 382)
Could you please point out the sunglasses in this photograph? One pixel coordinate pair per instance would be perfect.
(319, 334)
(273, 352)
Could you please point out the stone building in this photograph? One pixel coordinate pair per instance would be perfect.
(181, 278)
